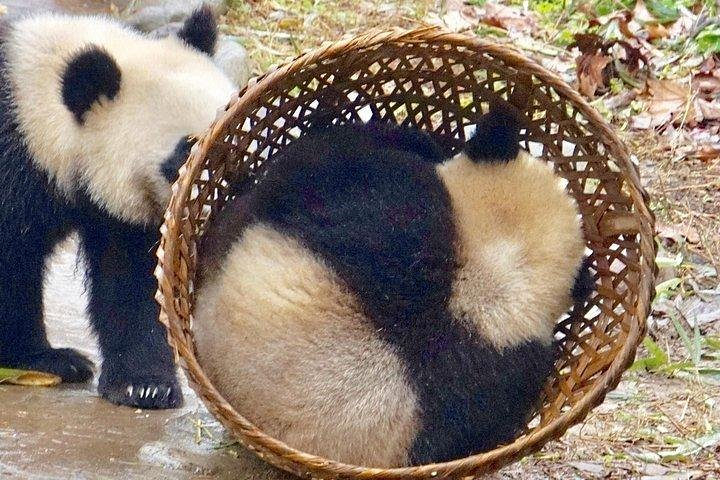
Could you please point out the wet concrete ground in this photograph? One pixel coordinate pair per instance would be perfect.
(69, 432)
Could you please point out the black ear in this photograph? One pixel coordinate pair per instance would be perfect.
(89, 75)
(497, 138)
(200, 30)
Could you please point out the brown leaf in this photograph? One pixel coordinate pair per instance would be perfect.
(710, 67)
(587, 43)
(601, 60)
(668, 103)
(460, 16)
(682, 27)
(707, 85)
(508, 18)
(708, 153)
(677, 232)
(590, 73)
(705, 110)
(656, 31)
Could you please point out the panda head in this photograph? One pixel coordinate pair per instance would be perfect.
(111, 113)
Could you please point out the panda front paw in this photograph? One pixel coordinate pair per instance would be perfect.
(134, 390)
(66, 363)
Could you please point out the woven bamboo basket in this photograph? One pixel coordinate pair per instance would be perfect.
(439, 81)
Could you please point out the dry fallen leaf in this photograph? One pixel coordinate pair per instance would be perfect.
(642, 14)
(28, 378)
(590, 73)
(460, 16)
(601, 60)
(706, 110)
(707, 153)
(656, 31)
(668, 103)
(706, 85)
(678, 232)
(621, 100)
(682, 27)
(508, 18)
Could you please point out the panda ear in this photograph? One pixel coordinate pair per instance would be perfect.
(497, 137)
(200, 30)
(89, 75)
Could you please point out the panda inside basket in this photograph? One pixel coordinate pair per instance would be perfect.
(443, 84)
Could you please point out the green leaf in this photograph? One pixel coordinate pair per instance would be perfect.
(692, 346)
(655, 359)
(665, 11)
(666, 262)
(547, 7)
(664, 289)
(712, 343)
(606, 7)
(708, 40)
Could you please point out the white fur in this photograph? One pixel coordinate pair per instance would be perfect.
(168, 91)
(520, 246)
(288, 346)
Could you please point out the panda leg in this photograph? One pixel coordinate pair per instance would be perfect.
(23, 340)
(138, 368)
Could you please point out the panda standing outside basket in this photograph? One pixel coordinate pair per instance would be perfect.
(95, 120)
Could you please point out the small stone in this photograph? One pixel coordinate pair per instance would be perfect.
(232, 58)
(167, 30)
(155, 14)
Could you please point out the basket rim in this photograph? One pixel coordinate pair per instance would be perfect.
(263, 444)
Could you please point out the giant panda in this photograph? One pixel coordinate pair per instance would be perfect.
(95, 120)
(379, 303)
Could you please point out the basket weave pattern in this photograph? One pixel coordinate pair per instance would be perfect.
(441, 82)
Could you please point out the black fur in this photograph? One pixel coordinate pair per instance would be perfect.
(200, 30)
(89, 75)
(34, 218)
(366, 199)
(177, 159)
(584, 283)
(473, 397)
(123, 311)
(497, 137)
(379, 134)
(32, 222)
